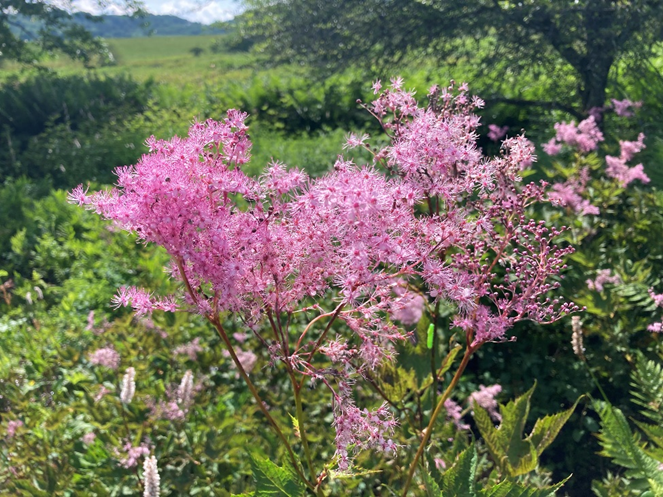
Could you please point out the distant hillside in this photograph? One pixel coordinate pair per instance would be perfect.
(109, 26)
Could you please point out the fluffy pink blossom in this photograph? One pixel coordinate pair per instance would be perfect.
(603, 277)
(12, 426)
(485, 397)
(444, 217)
(552, 147)
(106, 356)
(89, 438)
(100, 394)
(190, 349)
(358, 429)
(624, 108)
(408, 308)
(569, 194)
(585, 136)
(246, 358)
(496, 132)
(133, 454)
(455, 414)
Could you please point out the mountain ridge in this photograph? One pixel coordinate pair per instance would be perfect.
(122, 26)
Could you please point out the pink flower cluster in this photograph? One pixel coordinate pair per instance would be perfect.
(191, 349)
(133, 454)
(12, 426)
(569, 194)
(485, 397)
(603, 277)
(444, 217)
(656, 327)
(585, 136)
(455, 414)
(107, 357)
(617, 167)
(358, 429)
(496, 133)
(624, 108)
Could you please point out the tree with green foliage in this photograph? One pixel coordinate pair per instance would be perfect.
(29, 28)
(580, 42)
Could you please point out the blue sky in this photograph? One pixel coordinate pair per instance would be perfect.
(205, 11)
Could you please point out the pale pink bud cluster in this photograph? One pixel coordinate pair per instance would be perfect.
(577, 337)
(408, 308)
(485, 397)
(128, 386)
(603, 277)
(185, 390)
(151, 478)
(107, 357)
(246, 358)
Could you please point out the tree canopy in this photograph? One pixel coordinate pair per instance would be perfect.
(28, 28)
(584, 38)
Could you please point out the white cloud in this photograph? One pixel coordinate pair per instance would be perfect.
(96, 7)
(203, 11)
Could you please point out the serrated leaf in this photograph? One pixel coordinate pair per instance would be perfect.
(460, 479)
(272, 480)
(546, 429)
(431, 486)
(620, 444)
(508, 488)
(514, 454)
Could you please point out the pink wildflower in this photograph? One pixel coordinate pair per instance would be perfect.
(12, 426)
(624, 107)
(90, 321)
(454, 413)
(496, 132)
(552, 147)
(133, 454)
(88, 438)
(102, 391)
(246, 358)
(191, 349)
(603, 277)
(485, 397)
(107, 357)
(261, 248)
(585, 136)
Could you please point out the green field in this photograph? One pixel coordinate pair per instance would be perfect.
(161, 58)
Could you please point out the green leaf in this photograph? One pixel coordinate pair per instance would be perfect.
(272, 480)
(621, 445)
(431, 486)
(514, 454)
(546, 429)
(460, 479)
(508, 488)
